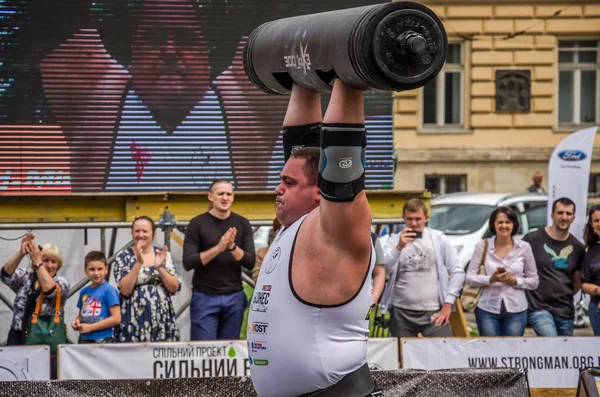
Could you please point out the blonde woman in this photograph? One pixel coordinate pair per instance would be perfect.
(28, 283)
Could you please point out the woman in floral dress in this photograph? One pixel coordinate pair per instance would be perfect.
(146, 278)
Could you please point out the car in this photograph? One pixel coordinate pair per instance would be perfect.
(261, 236)
(464, 217)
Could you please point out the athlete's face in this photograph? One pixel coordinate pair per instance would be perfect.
(169, 66)
(296, 197)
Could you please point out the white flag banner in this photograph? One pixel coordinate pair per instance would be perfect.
(569, 174)
(182, 360)
(24, 363)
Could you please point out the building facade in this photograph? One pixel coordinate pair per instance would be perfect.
(519, 77)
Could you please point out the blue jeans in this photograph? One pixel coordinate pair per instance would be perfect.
(594, 314)
(545, 323)
(503, 324)
(215, 316)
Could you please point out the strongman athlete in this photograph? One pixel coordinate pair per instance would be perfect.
(309, 315)
(308, 322)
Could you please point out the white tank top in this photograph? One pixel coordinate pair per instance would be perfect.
(295, 347)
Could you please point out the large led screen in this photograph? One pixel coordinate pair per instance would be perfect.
(148, 95)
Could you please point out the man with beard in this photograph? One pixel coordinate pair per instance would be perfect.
(558, 256)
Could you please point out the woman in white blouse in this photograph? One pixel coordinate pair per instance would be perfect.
(509, 271)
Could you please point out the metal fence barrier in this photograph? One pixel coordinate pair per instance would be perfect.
(402, 383)
(166, 223)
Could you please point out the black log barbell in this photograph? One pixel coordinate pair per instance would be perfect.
(392, 46)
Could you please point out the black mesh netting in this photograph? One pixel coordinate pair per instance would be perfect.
(409, 383)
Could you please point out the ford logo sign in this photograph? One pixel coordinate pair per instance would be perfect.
(572, 155)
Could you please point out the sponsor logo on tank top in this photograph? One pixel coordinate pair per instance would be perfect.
(260, 300)
(273, 260)
(257, 346)
(257, 361)
(258, 328)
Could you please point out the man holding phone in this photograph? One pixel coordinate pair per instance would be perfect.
(427, 277)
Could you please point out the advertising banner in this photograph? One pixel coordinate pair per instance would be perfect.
(382, 353)
(24, 363)
(181, 360)
(550, 362)
(569, 174)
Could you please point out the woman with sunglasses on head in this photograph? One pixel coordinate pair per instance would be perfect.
(590, 271)
(509, 270)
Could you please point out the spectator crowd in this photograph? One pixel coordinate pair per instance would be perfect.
(510, 281)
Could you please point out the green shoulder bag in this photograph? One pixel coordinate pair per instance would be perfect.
(47, 330)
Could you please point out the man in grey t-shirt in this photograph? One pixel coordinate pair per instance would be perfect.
(426, 277)
(558, 257)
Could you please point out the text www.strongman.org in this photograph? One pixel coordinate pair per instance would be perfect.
(535, 362)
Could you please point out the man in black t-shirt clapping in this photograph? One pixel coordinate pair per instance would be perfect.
(216, 244)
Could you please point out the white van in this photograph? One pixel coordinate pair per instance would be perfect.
(464, 217)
